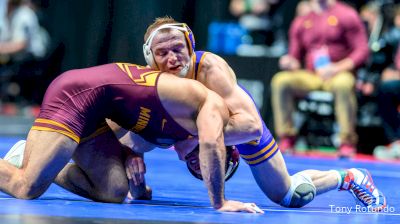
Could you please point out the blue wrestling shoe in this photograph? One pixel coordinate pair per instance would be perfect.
(360, 184)
(16, 154)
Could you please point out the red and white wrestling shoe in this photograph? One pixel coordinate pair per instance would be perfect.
(360, 184)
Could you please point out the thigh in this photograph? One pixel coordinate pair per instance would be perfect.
(267, 165)
(272, 177)
(102, 159)
(300, 82)
(340, 82)
(46, 153)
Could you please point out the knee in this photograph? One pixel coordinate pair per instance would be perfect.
(301, 192)
(28, 190)
(281, 80)
(115, 194)
(344, 83)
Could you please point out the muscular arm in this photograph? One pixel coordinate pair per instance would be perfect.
(130, 139)
(244, 124)
(210, 123)
(203, 113)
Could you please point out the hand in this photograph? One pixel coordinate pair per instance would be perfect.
(135, 168)
(367, 89)
(146, 194)
(287, 62)
(237, 206)
(327, 71)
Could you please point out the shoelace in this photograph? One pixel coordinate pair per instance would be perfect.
(363, 195)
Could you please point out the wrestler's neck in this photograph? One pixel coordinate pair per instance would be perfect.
(320, 6)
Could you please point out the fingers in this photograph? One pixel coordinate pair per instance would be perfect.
(135, 169)
(236, 206)
(253, 208)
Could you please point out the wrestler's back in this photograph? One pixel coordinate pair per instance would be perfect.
(125, 93)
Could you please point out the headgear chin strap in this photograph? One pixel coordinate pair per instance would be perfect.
(148, 54)
(232, 163)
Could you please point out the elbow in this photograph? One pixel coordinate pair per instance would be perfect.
(254, 129)
(256, 132)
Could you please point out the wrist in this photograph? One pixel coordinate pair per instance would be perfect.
(219, 204)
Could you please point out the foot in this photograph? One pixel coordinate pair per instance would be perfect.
(391, 151)
(16, 154)
(347, 151)
(286, 145)
(360, 184)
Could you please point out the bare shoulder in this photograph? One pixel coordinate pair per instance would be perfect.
(217, 75)
(212, 61)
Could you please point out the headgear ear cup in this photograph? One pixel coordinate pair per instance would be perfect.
(148, 56)
(232, 163)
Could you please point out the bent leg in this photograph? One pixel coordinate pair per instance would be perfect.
(269, 171)
(272, 177)
(324, 181)
(98, 172)
(46, 153)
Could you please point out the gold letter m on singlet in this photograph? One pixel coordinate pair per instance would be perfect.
(146, 78)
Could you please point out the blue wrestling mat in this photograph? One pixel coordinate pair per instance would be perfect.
(179, 198)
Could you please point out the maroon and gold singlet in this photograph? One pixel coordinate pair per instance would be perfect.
(78, 101)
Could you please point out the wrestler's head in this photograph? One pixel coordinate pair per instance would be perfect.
(232, 162)
(169, 46)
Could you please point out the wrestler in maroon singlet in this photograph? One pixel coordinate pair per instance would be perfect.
(124, 93)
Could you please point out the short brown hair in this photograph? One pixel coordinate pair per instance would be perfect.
(157, 23)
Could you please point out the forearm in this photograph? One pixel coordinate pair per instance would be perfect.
(346, 64)
(212, 161)
(130, 139)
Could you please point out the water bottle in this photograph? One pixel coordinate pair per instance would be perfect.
(321, 58)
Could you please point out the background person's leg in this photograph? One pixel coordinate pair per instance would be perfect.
(342, 86)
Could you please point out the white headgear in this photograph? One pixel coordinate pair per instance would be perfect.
(148, 54)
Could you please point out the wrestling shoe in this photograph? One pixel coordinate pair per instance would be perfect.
(360, 184)
(16, 154)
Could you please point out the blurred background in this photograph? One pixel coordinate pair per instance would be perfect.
(83, 33)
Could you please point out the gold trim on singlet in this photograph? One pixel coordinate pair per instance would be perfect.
(68, 134)
(266, 156)
(259, 152)
(67, 131)
(200, 63)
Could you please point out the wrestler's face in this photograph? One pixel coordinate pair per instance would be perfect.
(193, 161)
(170, 51)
